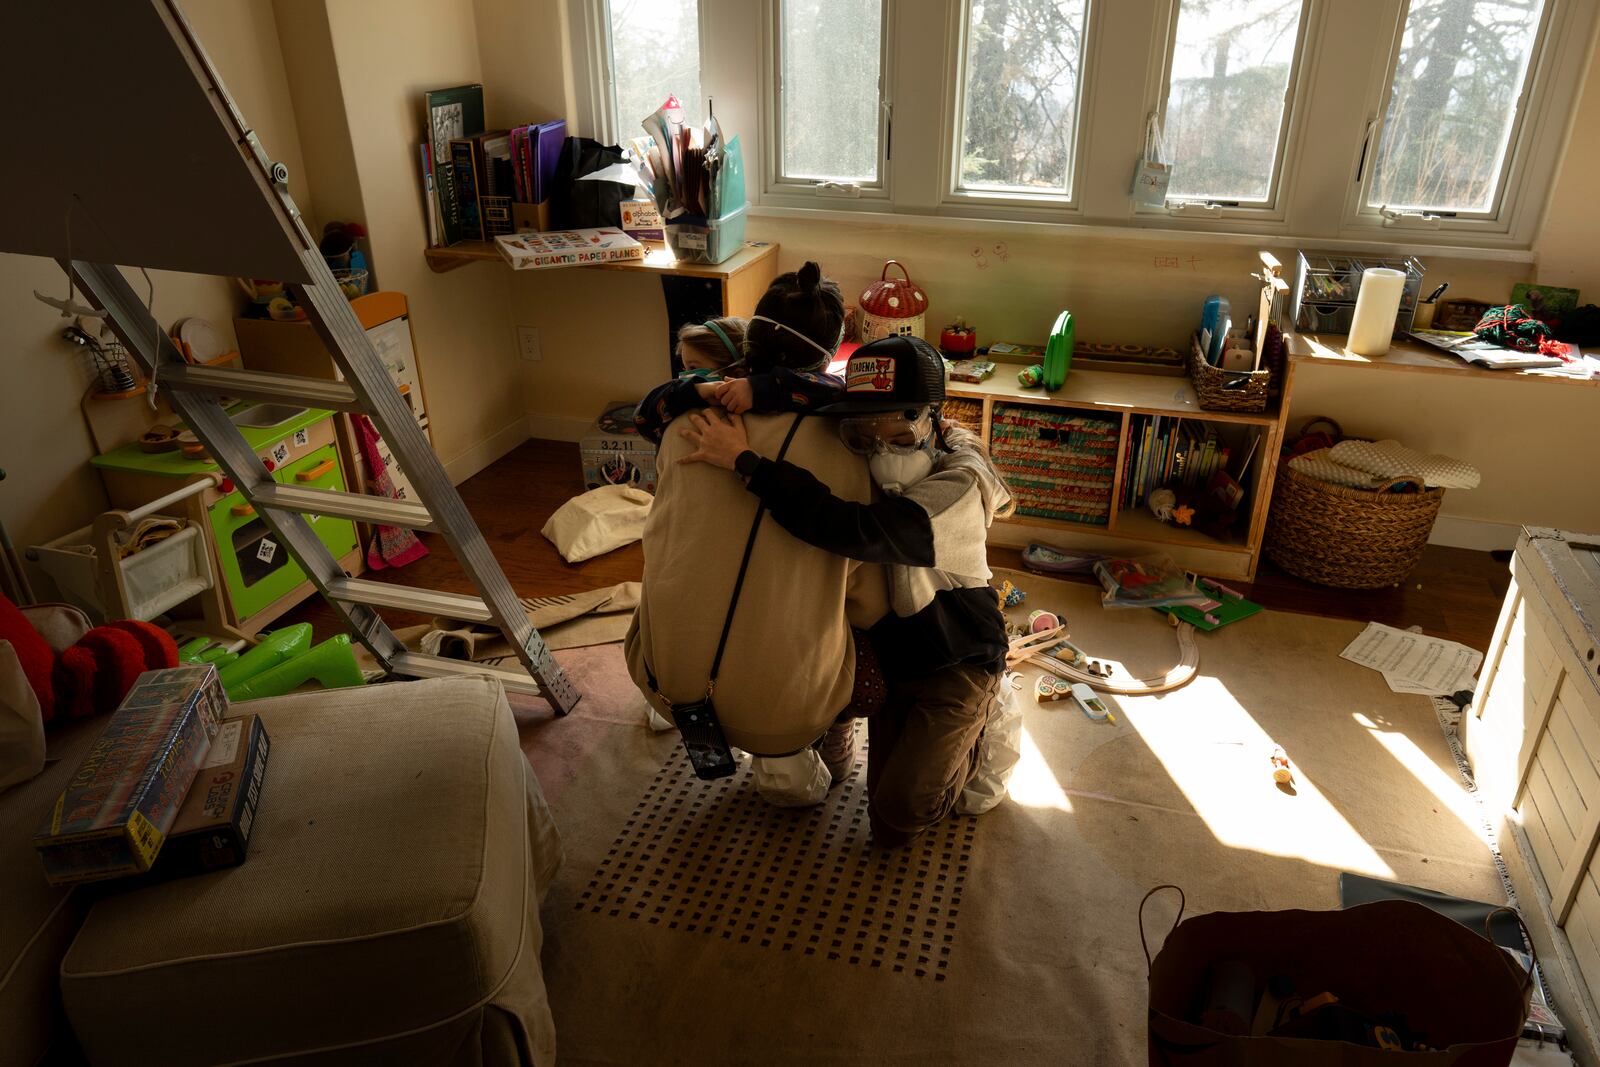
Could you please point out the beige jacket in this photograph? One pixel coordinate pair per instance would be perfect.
(789, 665)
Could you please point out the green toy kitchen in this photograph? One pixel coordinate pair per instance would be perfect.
(258, 578)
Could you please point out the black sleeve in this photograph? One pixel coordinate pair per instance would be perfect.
(890, 530)
(663, 404)
(782, 389)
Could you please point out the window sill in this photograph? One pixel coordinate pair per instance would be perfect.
(1153, 231)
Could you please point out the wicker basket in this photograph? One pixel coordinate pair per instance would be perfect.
(1348, 538)
(1227, 390)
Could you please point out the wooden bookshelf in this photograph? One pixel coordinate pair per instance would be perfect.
(1122, 395)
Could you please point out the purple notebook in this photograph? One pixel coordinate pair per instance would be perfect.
(547, 139)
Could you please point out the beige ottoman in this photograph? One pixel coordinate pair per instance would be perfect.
(388, 912)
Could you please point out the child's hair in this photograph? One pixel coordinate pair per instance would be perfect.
(805, 303)
(719, 340)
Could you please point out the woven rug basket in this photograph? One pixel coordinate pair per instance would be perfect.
(1348, 538)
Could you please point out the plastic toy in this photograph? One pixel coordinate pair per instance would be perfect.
(1010, 595)
(1282, 773)
(332, 663)
(1052, 688)
(1031, 377)
(276, 647)
(1091, 705)
(1043, 620)
(1058, 352)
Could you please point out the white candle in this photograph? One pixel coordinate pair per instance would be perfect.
(1377, 304)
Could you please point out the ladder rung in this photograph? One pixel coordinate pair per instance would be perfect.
(406, 598)
(380, 510)
(421, 665)
(259, 385)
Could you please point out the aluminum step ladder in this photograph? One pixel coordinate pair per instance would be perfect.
(195, 393)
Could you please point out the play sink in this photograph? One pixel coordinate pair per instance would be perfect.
(263, 415)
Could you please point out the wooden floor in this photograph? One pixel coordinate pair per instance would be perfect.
(1454, 593)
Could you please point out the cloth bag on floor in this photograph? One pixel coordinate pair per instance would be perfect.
(1455, 986)
(593, 523)
(999, 751)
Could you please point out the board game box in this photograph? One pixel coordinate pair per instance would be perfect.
(567, 248)
(115, 812)
(213, 826)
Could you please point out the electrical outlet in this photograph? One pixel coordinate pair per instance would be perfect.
(528, 343)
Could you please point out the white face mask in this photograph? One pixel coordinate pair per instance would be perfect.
(895, 471)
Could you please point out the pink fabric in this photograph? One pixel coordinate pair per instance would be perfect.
(391, 546)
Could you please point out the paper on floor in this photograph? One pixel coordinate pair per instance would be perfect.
(1412, 662)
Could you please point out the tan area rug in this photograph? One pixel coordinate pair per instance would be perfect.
(692, 924)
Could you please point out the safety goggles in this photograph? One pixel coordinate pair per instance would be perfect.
(890, 432)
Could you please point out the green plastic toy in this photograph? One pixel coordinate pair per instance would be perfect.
(331, 663)
(274, 649)
(1058, 352)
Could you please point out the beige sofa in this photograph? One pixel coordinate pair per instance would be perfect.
(388, 913)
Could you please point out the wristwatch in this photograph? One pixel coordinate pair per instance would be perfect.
(746, 463)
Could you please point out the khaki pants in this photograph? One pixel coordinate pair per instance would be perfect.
(922, 748)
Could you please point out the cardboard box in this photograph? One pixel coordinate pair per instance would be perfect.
(613, 453)
(115, 812)
(213, 827)
(641, 220)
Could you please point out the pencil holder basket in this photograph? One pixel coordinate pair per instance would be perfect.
(1348, 538)
(1227, 390)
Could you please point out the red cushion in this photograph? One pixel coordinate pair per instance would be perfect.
(160, 650)
(33, 652)
(98, 671)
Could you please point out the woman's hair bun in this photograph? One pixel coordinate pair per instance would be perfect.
(809, 277)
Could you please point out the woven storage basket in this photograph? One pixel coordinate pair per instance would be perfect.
(1059, 463)
(1226, 390)
(1348, 538)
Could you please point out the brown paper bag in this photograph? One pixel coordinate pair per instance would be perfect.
(1466, 995)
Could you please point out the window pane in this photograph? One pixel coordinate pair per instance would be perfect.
(1020, 119)
(1461, 69)
(832, 56)
(655, 51)
(1231, 62)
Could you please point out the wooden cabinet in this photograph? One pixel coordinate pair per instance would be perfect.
(1533, 739)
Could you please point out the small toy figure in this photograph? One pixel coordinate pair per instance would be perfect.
(1052, 688)
(1281, 771)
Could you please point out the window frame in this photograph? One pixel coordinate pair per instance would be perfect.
(1279, 190)
(1509, 215)
(1038, 206)
(1341, 81)
(814, 192)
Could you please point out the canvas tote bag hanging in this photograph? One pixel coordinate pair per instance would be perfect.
(1152, 177)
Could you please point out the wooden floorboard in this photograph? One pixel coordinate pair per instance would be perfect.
(1454, 593)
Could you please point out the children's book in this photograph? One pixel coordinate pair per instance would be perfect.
(450, 114)
(1481, 353)
(465, 174)
(568, 248)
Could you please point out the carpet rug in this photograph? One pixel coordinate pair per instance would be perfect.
(1044, 963)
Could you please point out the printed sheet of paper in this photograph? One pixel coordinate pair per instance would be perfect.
(1414, 663)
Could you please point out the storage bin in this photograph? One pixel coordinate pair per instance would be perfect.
(1059, 463)
(1227, 390)
(711, 242)
(157, 578)
(1348, 538)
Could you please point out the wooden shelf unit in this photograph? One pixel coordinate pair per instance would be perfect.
(1409, 356)
(743, 277)
(1136, 530)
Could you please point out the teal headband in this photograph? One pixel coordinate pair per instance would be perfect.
(732, 351)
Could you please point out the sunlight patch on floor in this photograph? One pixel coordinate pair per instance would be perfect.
(1033, 783)
(1406, 753)
(1221, 762)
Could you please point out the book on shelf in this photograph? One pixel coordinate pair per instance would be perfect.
(535, 149)
(1480, 353)
(568, 248)
(430, 200)
(465, 174)
(449, 115)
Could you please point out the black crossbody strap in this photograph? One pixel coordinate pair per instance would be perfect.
(744, 565)
(738, 583)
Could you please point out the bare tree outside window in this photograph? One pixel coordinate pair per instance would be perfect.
(832, 64)
(1462, 68)
(655, 52)
(1226, 96)
(1019, 125)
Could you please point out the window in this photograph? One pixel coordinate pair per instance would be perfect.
(1022, 79)
(831, 105)
(654, 52)
(1229, 80)
(1454, 102)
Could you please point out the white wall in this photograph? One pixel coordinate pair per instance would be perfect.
(44, 444)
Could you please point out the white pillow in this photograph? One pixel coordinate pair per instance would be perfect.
(1391, 459)
(598, 521)
(21, 724)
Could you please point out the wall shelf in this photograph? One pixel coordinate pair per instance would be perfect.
(1103, 390)
(658, 260)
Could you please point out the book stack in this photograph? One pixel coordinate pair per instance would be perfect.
(1167, 451)
(1058, 463)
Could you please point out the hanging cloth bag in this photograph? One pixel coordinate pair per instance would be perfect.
(1152, 176)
